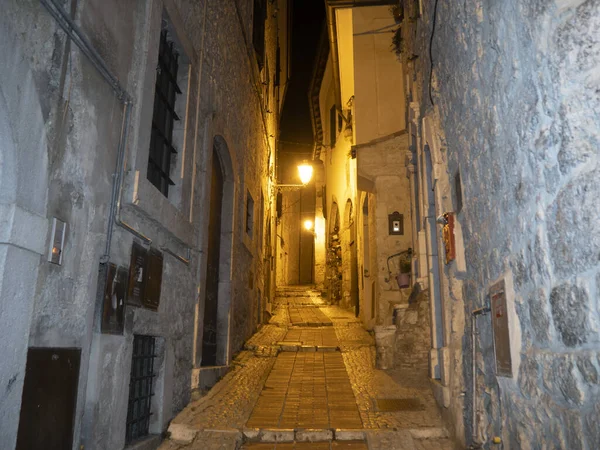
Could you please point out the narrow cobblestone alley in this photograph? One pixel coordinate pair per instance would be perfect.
(307, 380)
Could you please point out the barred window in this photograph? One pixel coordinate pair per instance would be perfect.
(164, 115)
(141, 387)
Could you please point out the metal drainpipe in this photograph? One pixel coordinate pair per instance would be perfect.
(75, 34)
(474, 315)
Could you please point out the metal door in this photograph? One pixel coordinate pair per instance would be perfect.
(49, 399)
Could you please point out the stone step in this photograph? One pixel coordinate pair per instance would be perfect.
(302, 435)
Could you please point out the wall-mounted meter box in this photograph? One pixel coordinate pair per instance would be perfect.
(501, 330)
(57, 241)
(396, 223)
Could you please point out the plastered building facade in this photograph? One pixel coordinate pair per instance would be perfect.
(358, 92)
(78, 127)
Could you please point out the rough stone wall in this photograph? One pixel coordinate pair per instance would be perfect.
(77, 121)
(515, 89)
(413, 336)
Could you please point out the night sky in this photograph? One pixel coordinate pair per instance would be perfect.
(307, 19)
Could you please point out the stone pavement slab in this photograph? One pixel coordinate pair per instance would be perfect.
(321, 336)
(308, 316)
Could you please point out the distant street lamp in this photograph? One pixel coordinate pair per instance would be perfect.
(308, 225)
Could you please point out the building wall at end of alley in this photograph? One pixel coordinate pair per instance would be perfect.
(509, 129)
(61, 125)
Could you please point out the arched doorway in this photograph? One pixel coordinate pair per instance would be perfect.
(215, 331)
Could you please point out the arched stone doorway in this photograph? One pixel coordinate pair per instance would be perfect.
(217, 298)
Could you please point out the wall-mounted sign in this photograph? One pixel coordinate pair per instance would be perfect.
(501, 330)
(137, 274)
(396, 223)
(151, 298)
(113, 304)
(448, 237)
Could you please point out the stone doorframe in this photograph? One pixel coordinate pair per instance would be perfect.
(429, 166)
(224, 308)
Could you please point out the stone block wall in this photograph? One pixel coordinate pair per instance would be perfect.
(65, 123)
(514, 100)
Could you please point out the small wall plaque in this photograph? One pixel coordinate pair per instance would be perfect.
(113, 305)
(396, 223)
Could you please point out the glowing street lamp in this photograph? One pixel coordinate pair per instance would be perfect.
(305, 171)
(308, 225)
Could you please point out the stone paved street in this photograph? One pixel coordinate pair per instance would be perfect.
(302, 386)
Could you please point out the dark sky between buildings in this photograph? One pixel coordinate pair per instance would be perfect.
(307, 19)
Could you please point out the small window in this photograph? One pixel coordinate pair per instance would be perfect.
(458, 192)
(332, 126)
(166, 93)
(141, 387)
(249, 214)
(258, 31)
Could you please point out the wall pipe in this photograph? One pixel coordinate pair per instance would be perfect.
(77, 36)
(474, 315)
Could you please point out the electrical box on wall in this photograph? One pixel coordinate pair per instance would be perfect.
(501, 330)
(57, 241)
(396, 223)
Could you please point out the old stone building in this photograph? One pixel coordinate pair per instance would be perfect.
(153, 230)
(136, 183)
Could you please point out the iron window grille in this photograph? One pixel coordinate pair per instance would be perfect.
(258, 31)
(164, 115)
(141, 387)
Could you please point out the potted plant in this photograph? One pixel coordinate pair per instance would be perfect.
(405, 265)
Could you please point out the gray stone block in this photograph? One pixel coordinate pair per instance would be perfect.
(573, 225)
(539, 316)
(570, 310)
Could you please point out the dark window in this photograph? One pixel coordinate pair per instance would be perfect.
(332, 126)
(258, 31)
(140, 387)
(458, 192)
(249, 214)
(278, 66)
(165, 95)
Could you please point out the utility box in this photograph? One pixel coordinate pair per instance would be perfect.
(501, 330)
